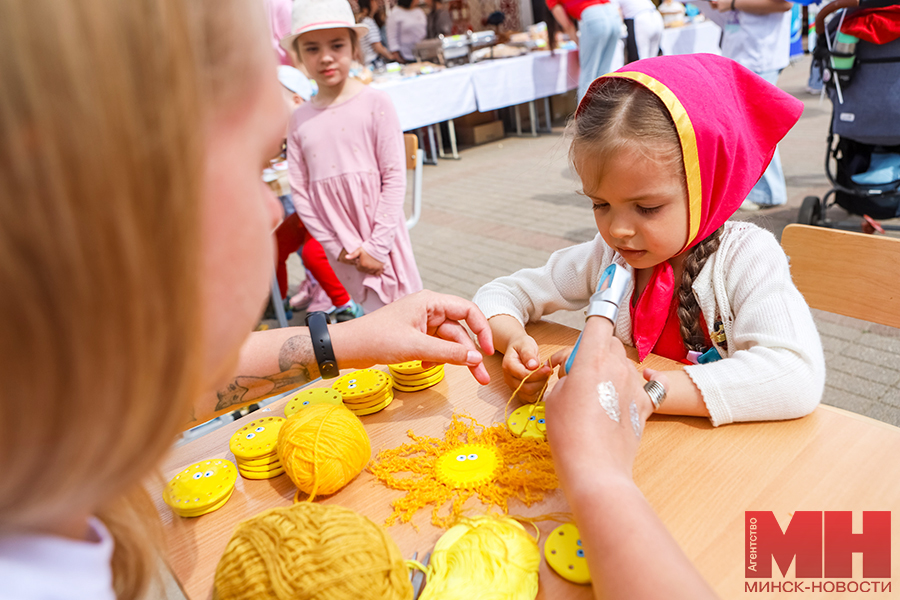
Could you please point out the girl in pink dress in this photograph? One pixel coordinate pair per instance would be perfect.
(347, 162)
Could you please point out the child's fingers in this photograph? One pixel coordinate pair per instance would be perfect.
(560, 357)
(531, 389)
(528, 352)
(513, 364)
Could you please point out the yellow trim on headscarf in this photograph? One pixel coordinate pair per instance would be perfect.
(688, 145)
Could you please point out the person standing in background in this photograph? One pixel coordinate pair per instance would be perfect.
(600, 25)
(278, 13)
(374, 52)
(439, 20)
(347, 162)
(645, 28)
(757, 34)
(406, 27)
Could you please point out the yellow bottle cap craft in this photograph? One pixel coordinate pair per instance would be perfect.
(361, 411)
(255, 448)
(411, 377)
(324, 395)
(467, 466)
(489, 463)
(565, 554)
(365, 391)
(413, 367)
(528, 422)
(201, 488)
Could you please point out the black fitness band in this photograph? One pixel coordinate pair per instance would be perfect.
(317, 322)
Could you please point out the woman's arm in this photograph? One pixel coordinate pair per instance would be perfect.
(630, 553)
(562, 17)
(754, 7)
(422, 326)
(382, 51)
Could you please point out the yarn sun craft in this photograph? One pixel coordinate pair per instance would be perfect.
(472, 459)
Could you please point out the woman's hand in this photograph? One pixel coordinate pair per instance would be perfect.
(596, 414)
(521, 358)
(423, 326)
(364, 262)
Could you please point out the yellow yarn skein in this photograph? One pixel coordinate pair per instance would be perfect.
(311, 551)
(322, 448)
(484, 553)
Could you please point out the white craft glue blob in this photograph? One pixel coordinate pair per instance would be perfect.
(635, 419)
(609, 399)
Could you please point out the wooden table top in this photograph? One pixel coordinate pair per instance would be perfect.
(699, 479)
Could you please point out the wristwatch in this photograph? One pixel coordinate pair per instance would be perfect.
(317, 322)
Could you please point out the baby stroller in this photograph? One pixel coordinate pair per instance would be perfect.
(862, 79)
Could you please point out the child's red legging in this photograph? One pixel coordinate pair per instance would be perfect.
(290, 236)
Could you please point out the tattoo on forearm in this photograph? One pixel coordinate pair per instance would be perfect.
(296, 363)
(298, 351)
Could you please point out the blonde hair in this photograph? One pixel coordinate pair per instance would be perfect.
(619, 114)
(101, 160)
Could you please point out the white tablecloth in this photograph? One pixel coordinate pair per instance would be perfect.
(692, 39)
(433, 98)
(484, 86)
(490, 85)
(511, 81)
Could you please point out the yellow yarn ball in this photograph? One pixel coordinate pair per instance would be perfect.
(322, 448)
(311, 551)
(484, 553)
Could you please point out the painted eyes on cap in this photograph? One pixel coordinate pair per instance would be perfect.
(197, 475)
(260, 429)
(463, 457)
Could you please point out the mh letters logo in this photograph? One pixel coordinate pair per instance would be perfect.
(822, 543)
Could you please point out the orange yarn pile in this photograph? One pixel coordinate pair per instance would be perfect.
(525, 471)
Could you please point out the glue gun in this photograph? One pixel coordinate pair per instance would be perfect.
(605, 301)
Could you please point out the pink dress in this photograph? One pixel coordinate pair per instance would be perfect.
(348, 178)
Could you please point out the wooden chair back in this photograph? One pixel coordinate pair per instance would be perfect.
(851, 274)
(412, 147)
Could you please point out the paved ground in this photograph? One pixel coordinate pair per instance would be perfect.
(509, 204)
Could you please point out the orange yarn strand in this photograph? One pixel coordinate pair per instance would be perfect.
(525, 471)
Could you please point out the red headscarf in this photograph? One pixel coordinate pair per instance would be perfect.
(729, 121)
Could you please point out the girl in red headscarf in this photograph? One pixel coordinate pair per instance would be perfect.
(667, 149)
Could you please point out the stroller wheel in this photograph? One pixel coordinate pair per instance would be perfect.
(810, 211)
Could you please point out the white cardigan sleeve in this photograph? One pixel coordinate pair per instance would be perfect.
(566, 282)
(775, 367)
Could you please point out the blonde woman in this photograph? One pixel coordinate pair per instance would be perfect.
(135, 252)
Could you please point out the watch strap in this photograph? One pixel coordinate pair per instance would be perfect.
(317, 322)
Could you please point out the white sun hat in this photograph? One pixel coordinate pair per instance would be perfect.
(310, 15)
